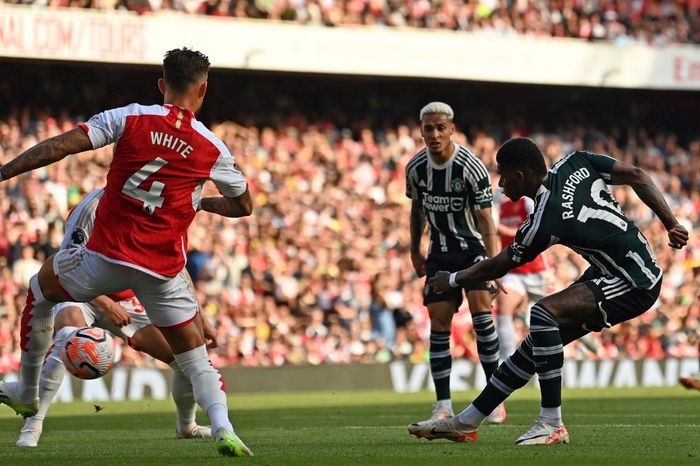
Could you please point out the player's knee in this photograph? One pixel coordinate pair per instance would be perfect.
(441, 314)
(440, 323)
(69, 316)
(505, 309)
(542, 314)
(136, 341)
(48, 283)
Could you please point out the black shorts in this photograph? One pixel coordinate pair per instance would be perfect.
(451, 262)
(618, 300)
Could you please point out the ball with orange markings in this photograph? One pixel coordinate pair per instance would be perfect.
(88, 353)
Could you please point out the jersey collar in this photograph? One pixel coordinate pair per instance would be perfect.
(447, 163)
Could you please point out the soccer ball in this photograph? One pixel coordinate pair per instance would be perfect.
(88, 353)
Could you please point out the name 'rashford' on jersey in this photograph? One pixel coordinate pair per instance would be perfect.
(162, 158)
(575, 208)
(450, 194)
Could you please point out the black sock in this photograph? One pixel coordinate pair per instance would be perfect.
(441, 363)
(548, 354)
(511, 375)
(486, 341)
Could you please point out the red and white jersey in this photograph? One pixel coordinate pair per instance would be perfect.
(513, 214)
(78, 228)
(162, 157)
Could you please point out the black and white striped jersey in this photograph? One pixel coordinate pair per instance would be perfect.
(450, 194)
(575, 208)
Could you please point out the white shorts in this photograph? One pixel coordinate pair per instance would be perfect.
(85, 275)
(532, 285)
(95, 317)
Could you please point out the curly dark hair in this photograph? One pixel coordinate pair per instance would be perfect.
(521, 154)
(182, 67)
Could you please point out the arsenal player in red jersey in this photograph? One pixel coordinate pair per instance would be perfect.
(162, 158)
(525, 284)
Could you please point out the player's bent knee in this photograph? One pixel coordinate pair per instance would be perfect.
(136, 341)
(49, 284)
(69, 316)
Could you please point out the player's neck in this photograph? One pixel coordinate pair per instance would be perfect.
(532, 193)
(441, 157)
(180, 102)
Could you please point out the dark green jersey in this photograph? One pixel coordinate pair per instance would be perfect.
(575, 208)
(450, 194)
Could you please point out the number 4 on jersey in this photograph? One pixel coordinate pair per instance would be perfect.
(151, 199)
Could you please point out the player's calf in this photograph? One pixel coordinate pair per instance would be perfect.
(207, 384)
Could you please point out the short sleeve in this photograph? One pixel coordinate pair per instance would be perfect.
(74, 237)
(411, 184)
(226, 176)
(530, 241)
(107, 127)
(79, 225)
(601, 163)
(81, 220)
(480, 181)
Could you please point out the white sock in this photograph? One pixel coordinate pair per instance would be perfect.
(506, 336)
(444, 403)
(551, 416)
(52, 374)
(207, 385)
(35, 338)
(471, 416)
(183, 396)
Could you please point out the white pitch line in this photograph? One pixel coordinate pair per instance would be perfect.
(605, 415)
(507, 426)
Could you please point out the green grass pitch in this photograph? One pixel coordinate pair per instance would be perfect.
(659, 426)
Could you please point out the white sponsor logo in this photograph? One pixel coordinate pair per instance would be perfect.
(442, 203)
(467, 375)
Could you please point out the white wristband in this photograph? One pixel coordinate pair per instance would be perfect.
(453, 280)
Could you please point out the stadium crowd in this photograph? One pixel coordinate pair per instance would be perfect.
(656, 22)
(321, 272)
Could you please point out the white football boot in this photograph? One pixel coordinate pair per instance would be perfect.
(447, 428)
(542, 433)
(29, 438)
(196, 431)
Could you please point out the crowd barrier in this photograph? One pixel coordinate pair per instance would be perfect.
(141, 383)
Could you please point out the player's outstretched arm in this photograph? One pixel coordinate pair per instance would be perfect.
(623, 173)
(47, 152)
(489, 269)
(240, 206)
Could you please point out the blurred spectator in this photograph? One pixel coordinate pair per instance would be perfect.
(321, 273)
(653, 22)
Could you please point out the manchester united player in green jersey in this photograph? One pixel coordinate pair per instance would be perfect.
(573, 207)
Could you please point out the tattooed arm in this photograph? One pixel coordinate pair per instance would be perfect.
(47, 152)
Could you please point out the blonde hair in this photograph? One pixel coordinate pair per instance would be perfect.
(437, 107)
